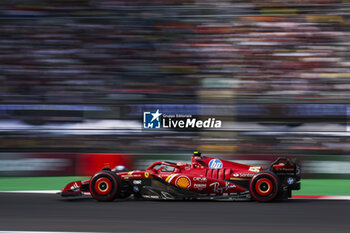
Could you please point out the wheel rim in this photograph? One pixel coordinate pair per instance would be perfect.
(264, 187)
(103, 186)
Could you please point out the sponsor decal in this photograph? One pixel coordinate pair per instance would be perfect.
(254, 169)
(200, 186)
(150, 196)
(183, 182)
(166, 195)
(285, 173)
(218, 189)
(286, 169)
(151, 120)
(215, 164)
(136, 189)
(146, 174)
(131, 176)
(246, 175)
(242, 175)
(75, 187)
(157, 120)
(200, 179)
(290, 180)
(137, 182)
(191, 123)
(124, 176)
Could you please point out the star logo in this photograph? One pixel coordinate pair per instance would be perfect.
(156, 115)
(152, 120)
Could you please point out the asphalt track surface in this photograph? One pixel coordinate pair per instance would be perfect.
(50, 212)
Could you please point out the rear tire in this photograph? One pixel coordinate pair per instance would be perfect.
(265, 186)
(105, 186)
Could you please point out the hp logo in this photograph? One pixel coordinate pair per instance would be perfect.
(215, 164)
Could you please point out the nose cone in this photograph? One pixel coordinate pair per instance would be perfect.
(71, 188)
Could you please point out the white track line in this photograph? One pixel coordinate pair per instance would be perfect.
(321, 197)
(41, 232)
(34, 191)
(48, 232)
(304, 197)
(39, 192)
(337, 198)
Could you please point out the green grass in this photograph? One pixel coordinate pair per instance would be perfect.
(324, 187)
(308, 187)
(36, 183)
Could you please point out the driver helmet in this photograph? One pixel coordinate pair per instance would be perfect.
(197, 153)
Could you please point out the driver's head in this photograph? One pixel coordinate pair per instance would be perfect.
(197, 153)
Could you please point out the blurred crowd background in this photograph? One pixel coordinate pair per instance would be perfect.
(76, 76)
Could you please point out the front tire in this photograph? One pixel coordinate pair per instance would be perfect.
(264, 186)
(105, 186)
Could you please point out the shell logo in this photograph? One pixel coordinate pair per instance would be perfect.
(183, 182)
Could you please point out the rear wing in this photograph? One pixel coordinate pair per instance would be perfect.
(286, 166)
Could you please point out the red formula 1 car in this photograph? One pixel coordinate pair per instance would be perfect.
(204, 178)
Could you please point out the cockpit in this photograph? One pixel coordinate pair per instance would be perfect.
(163, 166)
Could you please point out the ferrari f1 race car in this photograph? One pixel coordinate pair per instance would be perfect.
(205, 178)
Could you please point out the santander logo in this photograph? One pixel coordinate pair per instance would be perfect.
(215, 164)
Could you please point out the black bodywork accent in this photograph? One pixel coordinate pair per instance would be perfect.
(156, 188)
(85, 187)
(286, 188)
